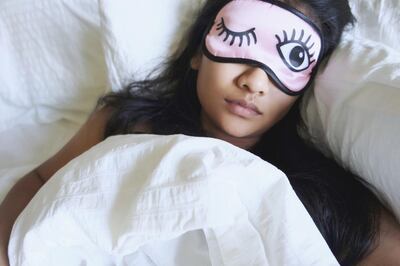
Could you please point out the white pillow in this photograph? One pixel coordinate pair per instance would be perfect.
(377, 20)
(354, 111)
(52, 64)
(138, 35)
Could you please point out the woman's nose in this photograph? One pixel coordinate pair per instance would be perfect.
(255, 80)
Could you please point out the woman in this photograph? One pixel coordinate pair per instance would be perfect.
(247, 99)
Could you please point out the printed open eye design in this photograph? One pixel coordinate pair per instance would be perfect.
(295, 52)
(240, 35)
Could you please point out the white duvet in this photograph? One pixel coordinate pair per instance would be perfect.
(167, 200)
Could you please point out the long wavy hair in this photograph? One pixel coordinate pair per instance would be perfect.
(345, 211)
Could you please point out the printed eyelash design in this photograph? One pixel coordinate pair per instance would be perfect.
(248, 33)
(300, 41)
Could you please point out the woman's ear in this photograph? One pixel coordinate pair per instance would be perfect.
(195, 62)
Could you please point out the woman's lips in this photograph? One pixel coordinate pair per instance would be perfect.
(242, 108)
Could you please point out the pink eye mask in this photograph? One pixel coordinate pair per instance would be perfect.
(270, 35)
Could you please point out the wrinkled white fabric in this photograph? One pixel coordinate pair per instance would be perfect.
(139, 35)
(52, 64)
(167, 200)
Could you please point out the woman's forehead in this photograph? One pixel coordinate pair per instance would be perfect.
(260, 10)
(301, 6)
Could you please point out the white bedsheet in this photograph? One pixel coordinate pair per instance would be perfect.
(167, 200)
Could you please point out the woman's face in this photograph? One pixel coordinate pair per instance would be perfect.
(239, 102)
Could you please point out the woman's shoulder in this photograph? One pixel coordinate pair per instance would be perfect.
(90, 134)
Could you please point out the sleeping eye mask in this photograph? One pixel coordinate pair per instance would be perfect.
(270, 35)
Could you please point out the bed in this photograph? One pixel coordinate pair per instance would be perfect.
(58, 57)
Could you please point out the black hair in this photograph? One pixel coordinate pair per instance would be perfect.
(344, 210)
